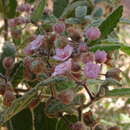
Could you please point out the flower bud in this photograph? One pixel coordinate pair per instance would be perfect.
(9, 97)
(75, 34)
(75, 67)
(78, 126)
(16, 33)
(37, 66)
(8, 63)
(100, 56)
(87, 57)
(92, 33)
(113, 73)
(24, 8)
(83, 47)
(59, 28)
(66, 96)
(2, 88)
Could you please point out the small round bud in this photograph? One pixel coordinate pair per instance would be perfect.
(66, 96)
(59, 28)
(16, 33)
(75, 67)
(37, 66)
(9, 97)
(87, 57)
(78, 126)
(75, 34)
(2, 88)
(100, 56)
(24, 8)
(92, 33)
(113, 73)
(83, 47)
(8, 63)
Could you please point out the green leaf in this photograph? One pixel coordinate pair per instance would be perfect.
(21, 121)
(119, 92)
(125, 48)
(30, 1)
(42, 122)
(72, 21)
(108, 25)
(105, 47)
(17, 74)
(124, 21)
(37, 13)
(61, 125)
(81, 11)
(69, 10)
(59, 6)
(11, 9)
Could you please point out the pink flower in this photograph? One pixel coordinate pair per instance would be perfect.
(24, 8)
(63, 54)
(35, 44)
(100, 56)
(63, 68)
(92, 33)
(59, 27)
(91, 70)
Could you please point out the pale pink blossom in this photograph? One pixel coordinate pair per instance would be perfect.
(63, 54)
(91, 70)
(100, 56)
(24, 8)
(92, 33)
(35, 44)
(62, 68)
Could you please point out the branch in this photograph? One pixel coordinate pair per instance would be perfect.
(22, 102)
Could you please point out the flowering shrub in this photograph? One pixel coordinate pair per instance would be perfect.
(50, 61)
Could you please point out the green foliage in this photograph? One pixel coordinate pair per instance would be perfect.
(21, 121)
(11, 8)
(17, 74)
(81, 11)
(59, 6)
(38, 12)
(119, 92)
(108, 25)
(105, 47)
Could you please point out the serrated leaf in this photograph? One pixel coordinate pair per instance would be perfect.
(120, 92)
(81, 11)
(37, 13)
(105, 47)
(11, 9)
(59, 6)
(108, 25)
(17, 74)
